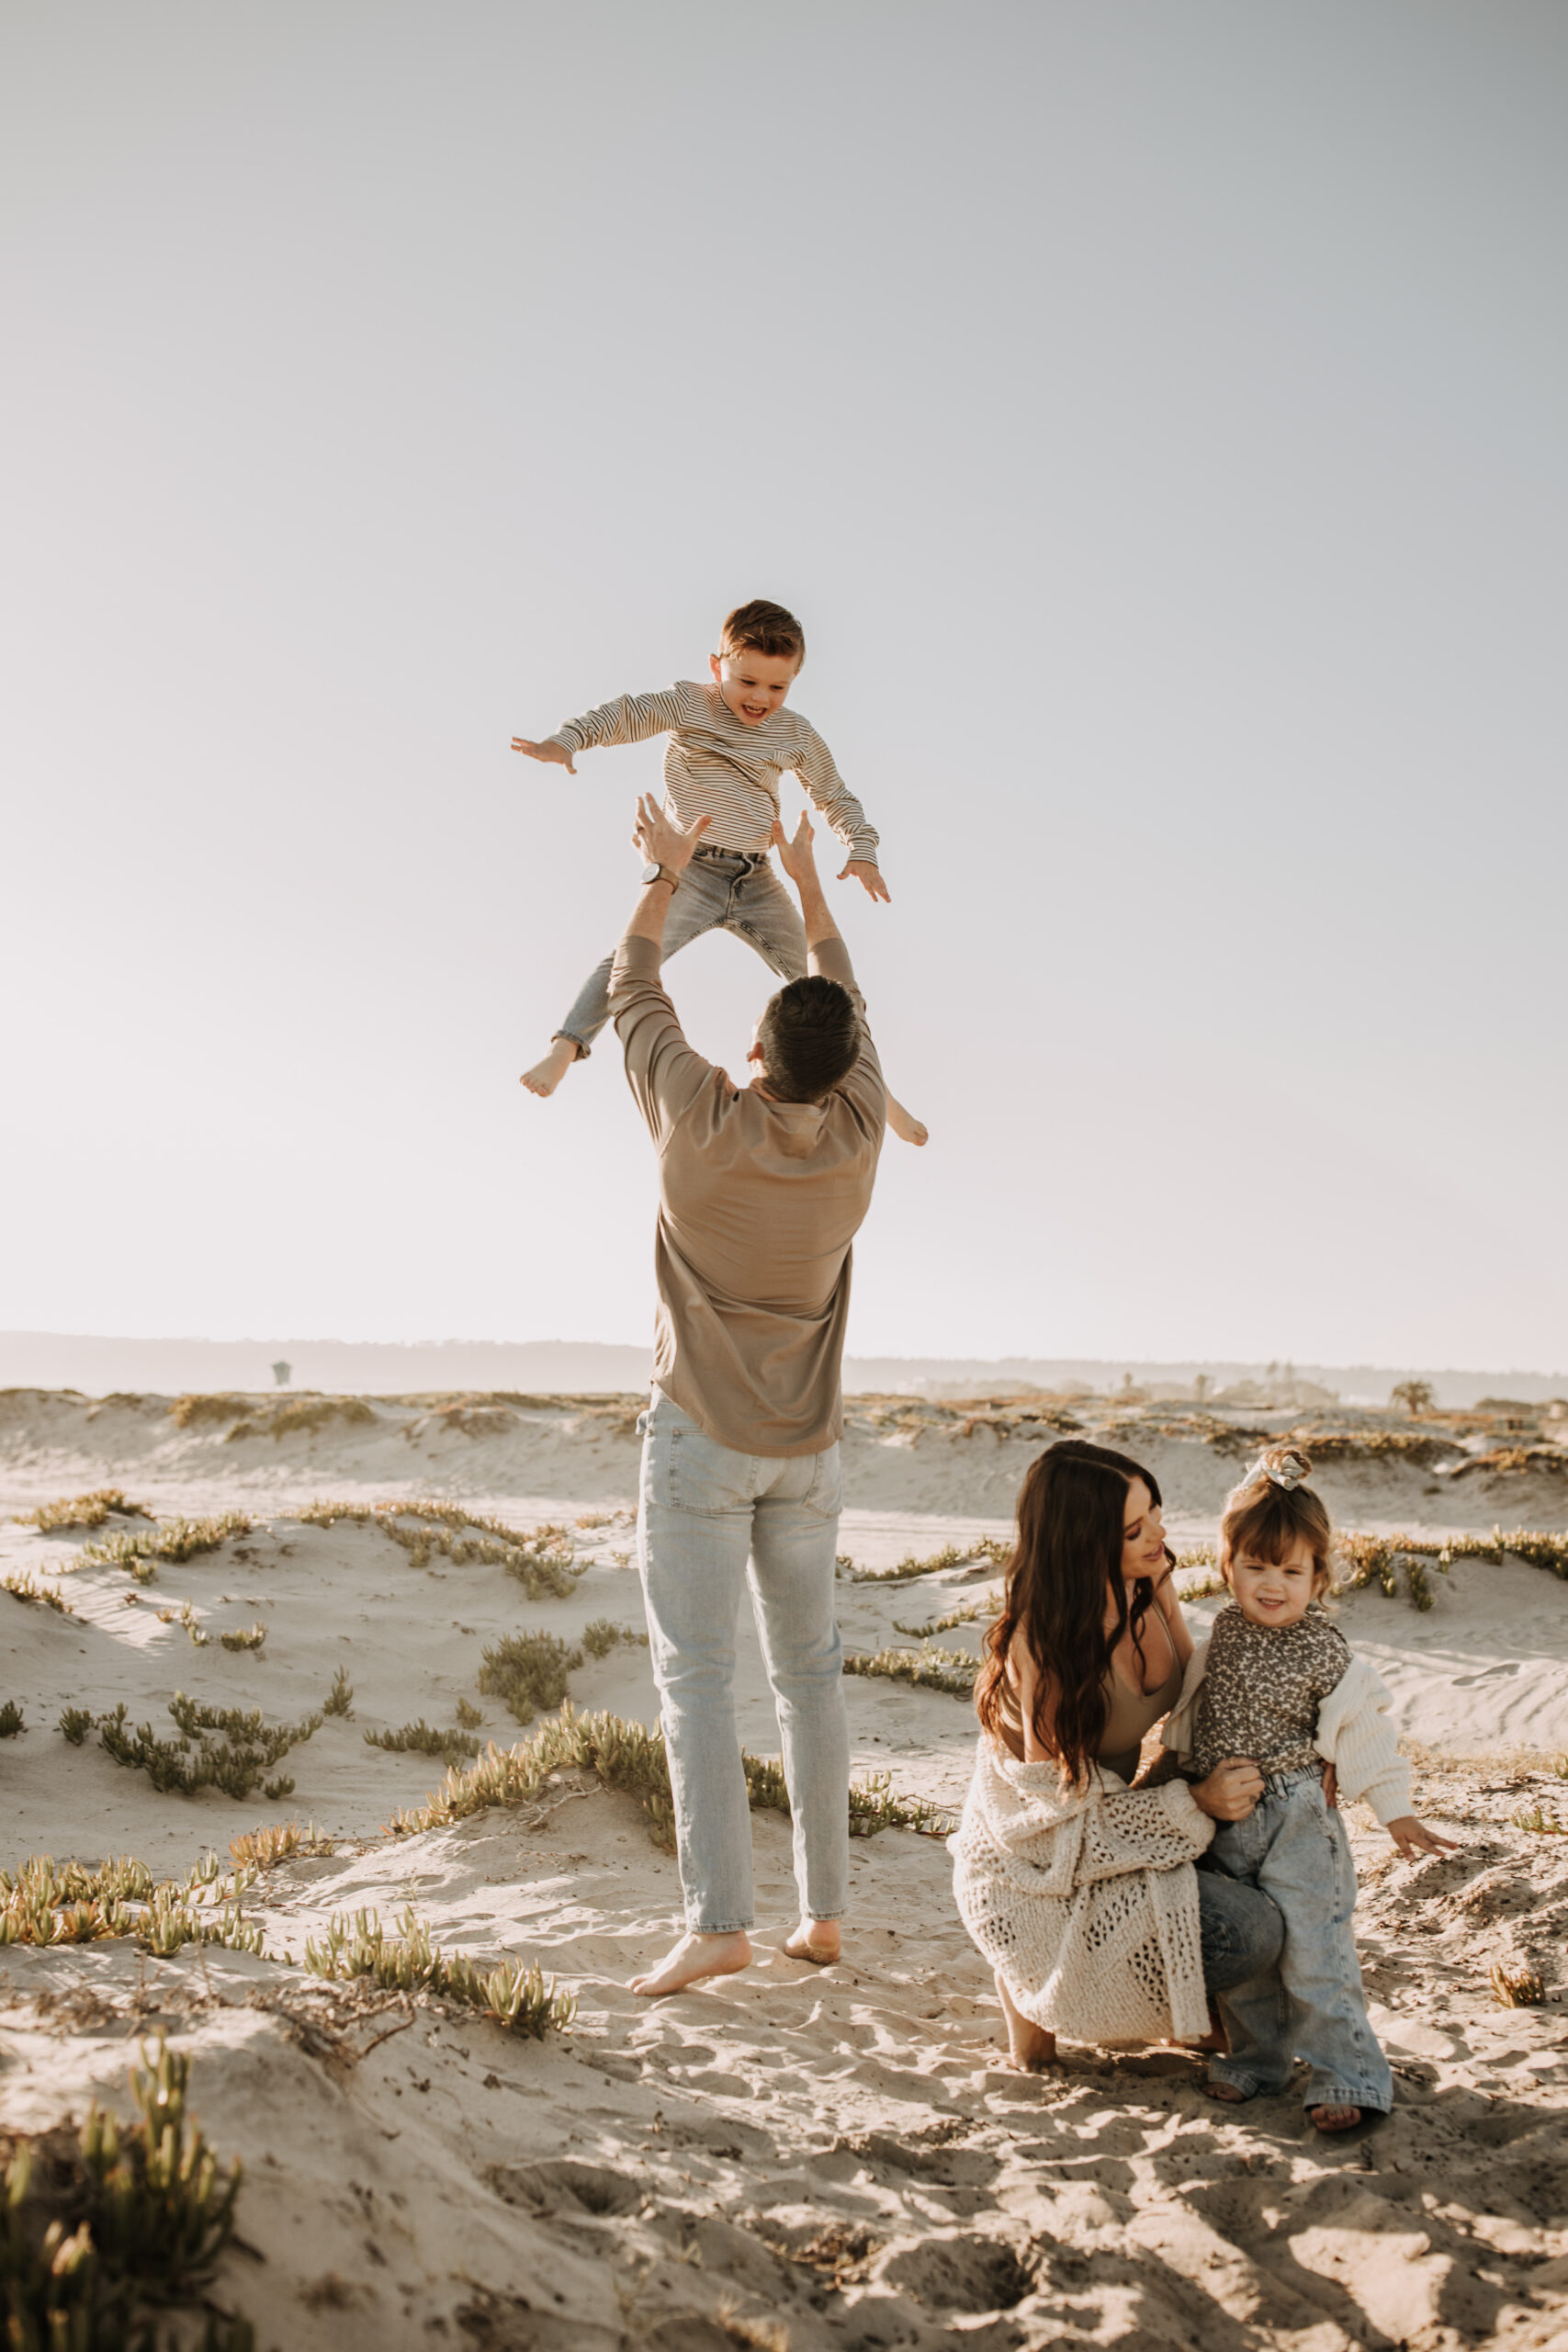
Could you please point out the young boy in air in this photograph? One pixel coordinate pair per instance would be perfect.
(729, 742)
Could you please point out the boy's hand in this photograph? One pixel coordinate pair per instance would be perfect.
(662, 840)
(796, 856)
(869, 878)
(1413, 1837)
(556, 752)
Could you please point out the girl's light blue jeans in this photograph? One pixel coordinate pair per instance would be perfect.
(721, 889)
(1292, 1847)
(710, 1521)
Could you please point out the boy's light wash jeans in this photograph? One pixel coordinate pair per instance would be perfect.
(1294, 1848)
(709, 1520)
(721, 889)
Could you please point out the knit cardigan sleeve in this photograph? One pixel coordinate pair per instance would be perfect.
(1355, 1734)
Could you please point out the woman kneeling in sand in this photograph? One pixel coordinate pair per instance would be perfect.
(1078, 1888)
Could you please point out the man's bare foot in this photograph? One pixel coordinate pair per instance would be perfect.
(1030, 2046)
(815, 1940)
(692, 1958)
(1227, 2091)
(905, 1125)
(1335, 2118)
(546, 1076)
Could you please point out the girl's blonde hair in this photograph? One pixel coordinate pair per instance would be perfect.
(1271, 1510)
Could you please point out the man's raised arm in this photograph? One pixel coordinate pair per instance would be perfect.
(799, 863)
(664, 1073)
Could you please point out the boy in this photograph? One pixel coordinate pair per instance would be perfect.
(729, 742)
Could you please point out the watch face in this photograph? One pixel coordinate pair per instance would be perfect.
(650, 873)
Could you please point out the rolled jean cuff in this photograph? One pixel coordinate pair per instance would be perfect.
(735, 1928)
(584, 1051)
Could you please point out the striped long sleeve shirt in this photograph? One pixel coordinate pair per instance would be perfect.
(716, 767)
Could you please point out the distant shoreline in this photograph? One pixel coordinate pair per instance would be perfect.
(97, 1365)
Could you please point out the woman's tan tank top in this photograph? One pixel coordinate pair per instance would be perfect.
(1130, 1715)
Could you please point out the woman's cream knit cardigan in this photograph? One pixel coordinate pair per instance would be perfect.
(1086, 1900)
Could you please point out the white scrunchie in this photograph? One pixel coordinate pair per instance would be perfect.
(1288, 1471)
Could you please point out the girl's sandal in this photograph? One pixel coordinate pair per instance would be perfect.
(1335, 2118)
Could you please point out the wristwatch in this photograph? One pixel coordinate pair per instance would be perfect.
(660, 874)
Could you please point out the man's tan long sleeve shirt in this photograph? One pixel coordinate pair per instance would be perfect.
(758, 1203)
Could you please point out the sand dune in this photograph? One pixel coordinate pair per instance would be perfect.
(796, 2156)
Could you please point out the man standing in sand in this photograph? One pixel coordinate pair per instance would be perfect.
(761, 1190)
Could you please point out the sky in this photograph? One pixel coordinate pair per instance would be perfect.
(1156, 417)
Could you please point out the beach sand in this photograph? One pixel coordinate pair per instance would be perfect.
(794, 2158)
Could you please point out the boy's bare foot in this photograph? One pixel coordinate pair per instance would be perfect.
(1227, 2091)
(907, 1128)
(692, 1958)
(546, 1076)
(815, 1940)
(1336, 2119)
(1030, 2046)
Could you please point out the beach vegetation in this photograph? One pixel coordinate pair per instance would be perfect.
(300, 1417)
(468, 1715)
(542, 1560)
(169, 1541)
(630, 1759)
(262, 1849)
(1413, 1396)
(1541, 1823)
(600, 1636)
(1549, 1460)
(244, 1638)
(424, 1739)
(528, 1672)
(979, 1611)
(185, 1616)
(46, 1903)
(994, 1551)
(339, 1699)
(1518, 1988)
(105, 2231)
(926, 1669)
(11, 1721)
(74, 1724)
(516, 1995)
(25, 1587)
(83, 1511)
(200, 1411)
(231, 1749)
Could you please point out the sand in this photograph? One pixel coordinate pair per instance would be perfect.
(795, 2156)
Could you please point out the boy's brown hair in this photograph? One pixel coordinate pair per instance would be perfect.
(762, 628)
(1271, 1510)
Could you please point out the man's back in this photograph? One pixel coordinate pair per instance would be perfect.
(760, 1202)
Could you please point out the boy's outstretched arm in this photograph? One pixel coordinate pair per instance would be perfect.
(630, 718)
(545, 751)
(819, 772)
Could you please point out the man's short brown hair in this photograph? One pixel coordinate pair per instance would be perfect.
(762, 628)
(809, 1037)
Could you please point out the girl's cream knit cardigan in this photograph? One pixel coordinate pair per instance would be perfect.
(1085, 1900)
(1353, 1733)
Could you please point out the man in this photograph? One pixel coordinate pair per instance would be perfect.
(761, 1191)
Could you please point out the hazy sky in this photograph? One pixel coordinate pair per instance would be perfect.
(1155, 413)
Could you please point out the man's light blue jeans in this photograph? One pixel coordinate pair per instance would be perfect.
(1294, 1848)
(721, 889)
(709, 1520)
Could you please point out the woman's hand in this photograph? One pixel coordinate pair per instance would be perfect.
(1231, 1791)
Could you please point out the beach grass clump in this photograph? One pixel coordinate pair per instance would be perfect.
(201, 1411)
(926, 1669)
(25, 1587)
(300, 1417)
(228, 1748)
(11, 1721)
(263, 1848)
(424, 1739)
(979, 1611)
(1518, 1988)
(46, 1903)
(169, 1542)
(528, 1672)
(339, 1699)
(629, 1759)
(74, 1724)
(244, 1638)
(1541, 1823)
(600, 1636)
(993, 1550)
(83, 1511)
(105, 2232)
(514, 1994)
(469, 1716)
(543, 1559)
(185, 1617)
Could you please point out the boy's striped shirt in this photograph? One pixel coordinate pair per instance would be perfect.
(716, 767)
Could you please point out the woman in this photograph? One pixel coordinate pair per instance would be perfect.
(1080, 1888)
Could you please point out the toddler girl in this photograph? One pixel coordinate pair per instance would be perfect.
(1276, 1682)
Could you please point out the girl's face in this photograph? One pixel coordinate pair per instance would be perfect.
(1268, 1594)
(1143, 1535)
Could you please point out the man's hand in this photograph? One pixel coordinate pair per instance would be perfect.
(662, 840)
(1413, 1837)
(1231, 1791)
(548, 752)
(869, 878)
(796, 855)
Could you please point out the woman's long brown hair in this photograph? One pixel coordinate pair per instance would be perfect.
(1071, 1512)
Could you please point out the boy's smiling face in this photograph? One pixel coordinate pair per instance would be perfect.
(1270, 1594)
(753, 686)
